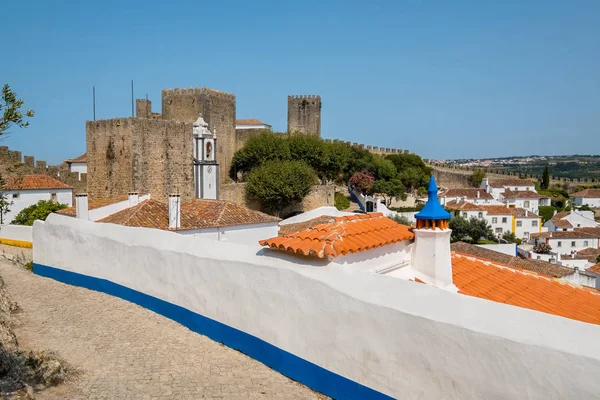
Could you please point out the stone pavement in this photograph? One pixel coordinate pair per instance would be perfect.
(124, 351)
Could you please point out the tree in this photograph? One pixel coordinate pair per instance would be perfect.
(460, 229)
(278, 184)
(4, 201)
(470, 230)
(40, 211)
(598, 259)
(477, 177)
(383, 168)
(10, 110)
(480, 229)
(542, 248)
(362, 181)
(510, 237)
(545, 183)
(266, 146)
(341, 201)
(390, 190)
(412, 170)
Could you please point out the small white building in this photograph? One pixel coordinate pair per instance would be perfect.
(27, 190)
(569, 220)
(497, 186)
(465, 209)
(500, 219)
(587, 197)
(563, 242)
(78, 164)
(251, 124)
(525, 223)
(526, 199)
(475, 196)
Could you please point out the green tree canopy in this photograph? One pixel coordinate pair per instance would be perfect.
(510, 237)
(477, 177)
(390, 190)
(278, 184)
(471, 230)
(259, 149)
(11, 111)
(40, 211)
(545, 183)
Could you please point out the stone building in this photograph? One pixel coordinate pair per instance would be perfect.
(304, 114)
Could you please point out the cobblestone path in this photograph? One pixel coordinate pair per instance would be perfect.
(127, 352)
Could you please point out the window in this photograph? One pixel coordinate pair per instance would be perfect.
(526, 204)
(53, 196)
(539, 257)
(572, 244)
(519, 223)
(579, 225)
(504, 220)
(499, 230)
(559, 244)
(464, 215)
(15, 196)
(585, 243)
(480, 215)
(534, 223)
(494, 220)
(526, 235)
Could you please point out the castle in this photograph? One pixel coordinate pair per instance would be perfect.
(153, 153)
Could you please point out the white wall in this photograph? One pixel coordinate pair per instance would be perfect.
(592, 202)
(527, 226)
(505, 226)
(248, 234)
(103, 212)
(566, 244)
(315, 213)
(17, 232)
(80, 168)
(404, 339)
(28, 198)
(380, 207)
(527, 204)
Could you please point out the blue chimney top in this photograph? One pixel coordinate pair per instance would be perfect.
(433, 210)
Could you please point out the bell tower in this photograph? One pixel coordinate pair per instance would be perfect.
(206, 168)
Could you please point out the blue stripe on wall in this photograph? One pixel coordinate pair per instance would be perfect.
(305, 372)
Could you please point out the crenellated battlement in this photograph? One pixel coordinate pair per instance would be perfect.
(373, 149)
(304, 97)
(196, 91)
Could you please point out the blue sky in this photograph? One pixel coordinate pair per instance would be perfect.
(445, 79)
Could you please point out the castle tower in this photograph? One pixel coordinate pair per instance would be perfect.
(304, 114)
(206, 168)
(432, 255)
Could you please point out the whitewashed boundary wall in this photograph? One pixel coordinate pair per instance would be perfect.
(17, 233)
(347, 333)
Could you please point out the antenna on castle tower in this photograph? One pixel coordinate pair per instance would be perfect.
(94, 100)
(132, 114)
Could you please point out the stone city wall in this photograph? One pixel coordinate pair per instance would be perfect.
(382, 151)
(344, 332)
(304, 114)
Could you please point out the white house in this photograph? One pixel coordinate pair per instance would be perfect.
(24, 191)
(78, 164)
(497, 186)
(569, 220)
(251, 124)
(465, 209)
(588, 197)
(500, 219)
(525, 223)
(475, 196)
(526, 199)
(566, 241)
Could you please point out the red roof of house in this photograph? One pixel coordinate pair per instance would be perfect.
(462, 206)
(562, 223)
(504, 284)
(509, 182)
(34, 182)
(497, 210)
(595, 269)
(81, 159)
(522, 194)
(470, 193)
(588, 193)
(342, 235)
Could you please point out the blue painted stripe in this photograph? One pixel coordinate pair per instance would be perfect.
(305, 372)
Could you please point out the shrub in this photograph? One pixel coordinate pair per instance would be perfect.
(542, 248)
(471, 230)
(546, 212)
(402, 220)
(278, 184)
(40, 211)
(341, 201)
(362, 181)
(264, 147)
(510, 237)
(477, 177)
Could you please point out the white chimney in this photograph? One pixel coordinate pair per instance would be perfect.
(478, 194)
(526, 213)
(554, 212)
(484, 183)
(174, 211)
(134, 199)
(81, 206)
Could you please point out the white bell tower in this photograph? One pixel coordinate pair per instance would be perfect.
(206, 168)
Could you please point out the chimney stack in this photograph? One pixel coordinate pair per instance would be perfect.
(174, 211)
(81, 206)
(134, 199)
(431, 255)
(478, 194)
(526, 213)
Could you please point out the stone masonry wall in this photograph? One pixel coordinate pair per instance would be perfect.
(304, 114)
(217, 109)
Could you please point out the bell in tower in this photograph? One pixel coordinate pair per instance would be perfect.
(206, 168)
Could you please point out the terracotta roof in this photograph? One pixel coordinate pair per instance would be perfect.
(93, 204)
(249, 122)
(33, 182)
(562, 223)
(503, 284)
(462, 206)
(560, 215)
(576, 234)
(509, 182)
(522, 194)
(594, 268)
(207, 213)
(537, 266)
(590, 254)
(342, 235)
(595, 232)
(81, 159)
(588, 193)
(194, 214)
(468, 193)
(497, 210)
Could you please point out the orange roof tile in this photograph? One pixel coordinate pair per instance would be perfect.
(588, 193)
(147, 214)
(33, 182)
(595, 269)
(509, 182)
(249, 122)
(93, 204)
(470, 193)
(562, 223)
(81, 159)
(522, 194)
(207, 213)
(462, 206)
(496, 282)
(342, 235)
(497, 210)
